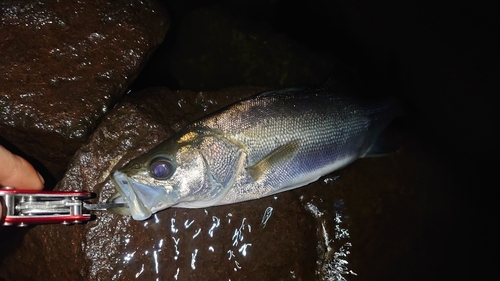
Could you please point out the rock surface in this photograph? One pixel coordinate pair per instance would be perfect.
(362, 222)
(405, 216)
(64, 64)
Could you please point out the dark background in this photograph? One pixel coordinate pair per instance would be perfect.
(439, 57)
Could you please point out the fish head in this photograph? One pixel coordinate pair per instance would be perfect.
(174, 173)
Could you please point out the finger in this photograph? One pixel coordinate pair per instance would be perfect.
(17, 172)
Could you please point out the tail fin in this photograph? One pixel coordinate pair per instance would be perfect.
(384, 138)
(388, 141)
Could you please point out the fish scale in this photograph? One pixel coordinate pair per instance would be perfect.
(327, 136)
(257, 147)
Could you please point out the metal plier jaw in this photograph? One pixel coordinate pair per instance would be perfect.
(24, 207)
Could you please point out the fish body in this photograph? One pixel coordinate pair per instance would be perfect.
(254, 148)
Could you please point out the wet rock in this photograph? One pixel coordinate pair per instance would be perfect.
(185, 244)
(360, 222)
(64, 64)
(215, 48)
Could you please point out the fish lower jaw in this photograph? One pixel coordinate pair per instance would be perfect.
(128, 192)
(196, 204)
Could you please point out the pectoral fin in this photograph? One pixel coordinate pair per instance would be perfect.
(277, 158)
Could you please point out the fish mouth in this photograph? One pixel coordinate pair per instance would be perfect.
(143, 200)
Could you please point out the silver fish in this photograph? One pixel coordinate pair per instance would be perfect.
(257, 147)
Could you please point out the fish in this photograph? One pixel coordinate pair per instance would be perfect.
(272, 142)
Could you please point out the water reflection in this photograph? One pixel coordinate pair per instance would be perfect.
(267, 214)
(203, 101)
(187, 242)
(333, 239)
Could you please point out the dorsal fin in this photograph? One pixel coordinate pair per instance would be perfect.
(331, 85)
(285, 91)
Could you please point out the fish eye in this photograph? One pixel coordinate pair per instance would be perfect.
(161, 168)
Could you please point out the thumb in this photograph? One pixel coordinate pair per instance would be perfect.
(17, 172)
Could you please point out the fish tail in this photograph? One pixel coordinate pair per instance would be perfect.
(381, 140)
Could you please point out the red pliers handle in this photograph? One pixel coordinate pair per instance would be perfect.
(24, 207)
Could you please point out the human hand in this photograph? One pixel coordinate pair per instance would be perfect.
(16, 172)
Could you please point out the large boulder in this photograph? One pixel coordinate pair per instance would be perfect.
(364, 219)
(64, 64)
